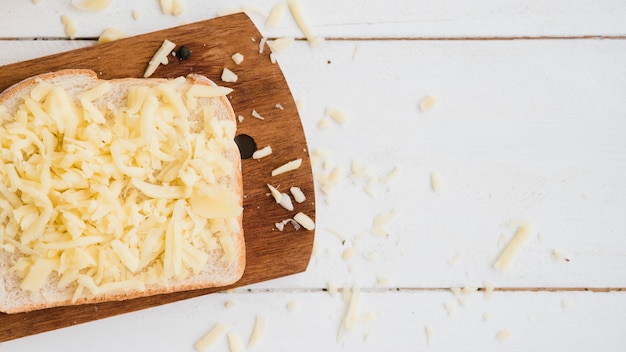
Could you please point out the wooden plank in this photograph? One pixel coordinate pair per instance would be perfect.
(340, 19)
(523, 129)
(538, 321)
(261, 85)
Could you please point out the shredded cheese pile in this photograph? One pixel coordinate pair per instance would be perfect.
(114, 199)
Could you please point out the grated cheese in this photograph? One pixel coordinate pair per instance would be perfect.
(512, 248)
(208, 340)
(392, 175)
(262, 153)
(279, 106)
(281, 44)
(92, 5)
(503, 335)
(293, 306)
(257, 115)
(305, 221)
(289, 166)
(429, 334)
(381, 220)
(159, 58)
(234, 342)
(435, 182)
(450, 308)
(276, 14)
(487, 316)
(298, 195)
(348, 254)
(166, 6)
(70, 26)
(177, 8)
(237, 58)
(257, 331)
(136, 14)
(338, 115)
(113, 227)
(489, 288)
(229, 304)
(262, 45)
(332, 288)
(428, 103)
(111, 34)
(297, 11)
(229, 76)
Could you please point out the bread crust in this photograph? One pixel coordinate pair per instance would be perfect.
(12, 96)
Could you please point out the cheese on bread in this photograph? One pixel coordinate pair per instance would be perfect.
(116, 189)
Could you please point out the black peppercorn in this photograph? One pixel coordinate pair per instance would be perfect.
(183, 53)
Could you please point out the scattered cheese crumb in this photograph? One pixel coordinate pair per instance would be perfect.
(305, 221)
(324, 123)
(262, 153)
(279, 106)
(240, 118)
(462, 301)
(262, 45)
(455, 290)
(257, 115)
(297, 193)
(234, 342)
(229, 76)
(565, 303)
(466, 290)
(450, 308)
(347, 254)
(257, 331)
(273, 58)
(503, 335)
(455, 258)
(300, 104)
(229, 304)
(337, 115)
(178, 8)
(166, 6)
(91, 5)
(281, 44)
(428, 103)
(429, 334)
(512, 249)
(276, 14)
(487, 316)
(70, 27)
(392, 175)
(332, 288)
(293, 306)
(211, 337)
(111, 34)
(489, 287)
(381, 220)
(160, 57)
(136, 14)
(289, 166)
(297, 11)
(237, 58)
(435, 182)
(367, 338)
(357, 50)
(383, 281)
(558, 255)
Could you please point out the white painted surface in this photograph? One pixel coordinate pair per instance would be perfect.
(524, 129)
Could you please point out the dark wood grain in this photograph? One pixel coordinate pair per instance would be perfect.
(261, 85)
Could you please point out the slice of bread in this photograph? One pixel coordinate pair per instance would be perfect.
(111, 190)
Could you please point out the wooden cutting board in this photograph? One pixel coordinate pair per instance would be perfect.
(261, 86)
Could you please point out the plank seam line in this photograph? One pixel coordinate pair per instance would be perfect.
(422, 38)
(433, 289)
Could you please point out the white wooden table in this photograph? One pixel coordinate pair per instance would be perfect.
(530, 125)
